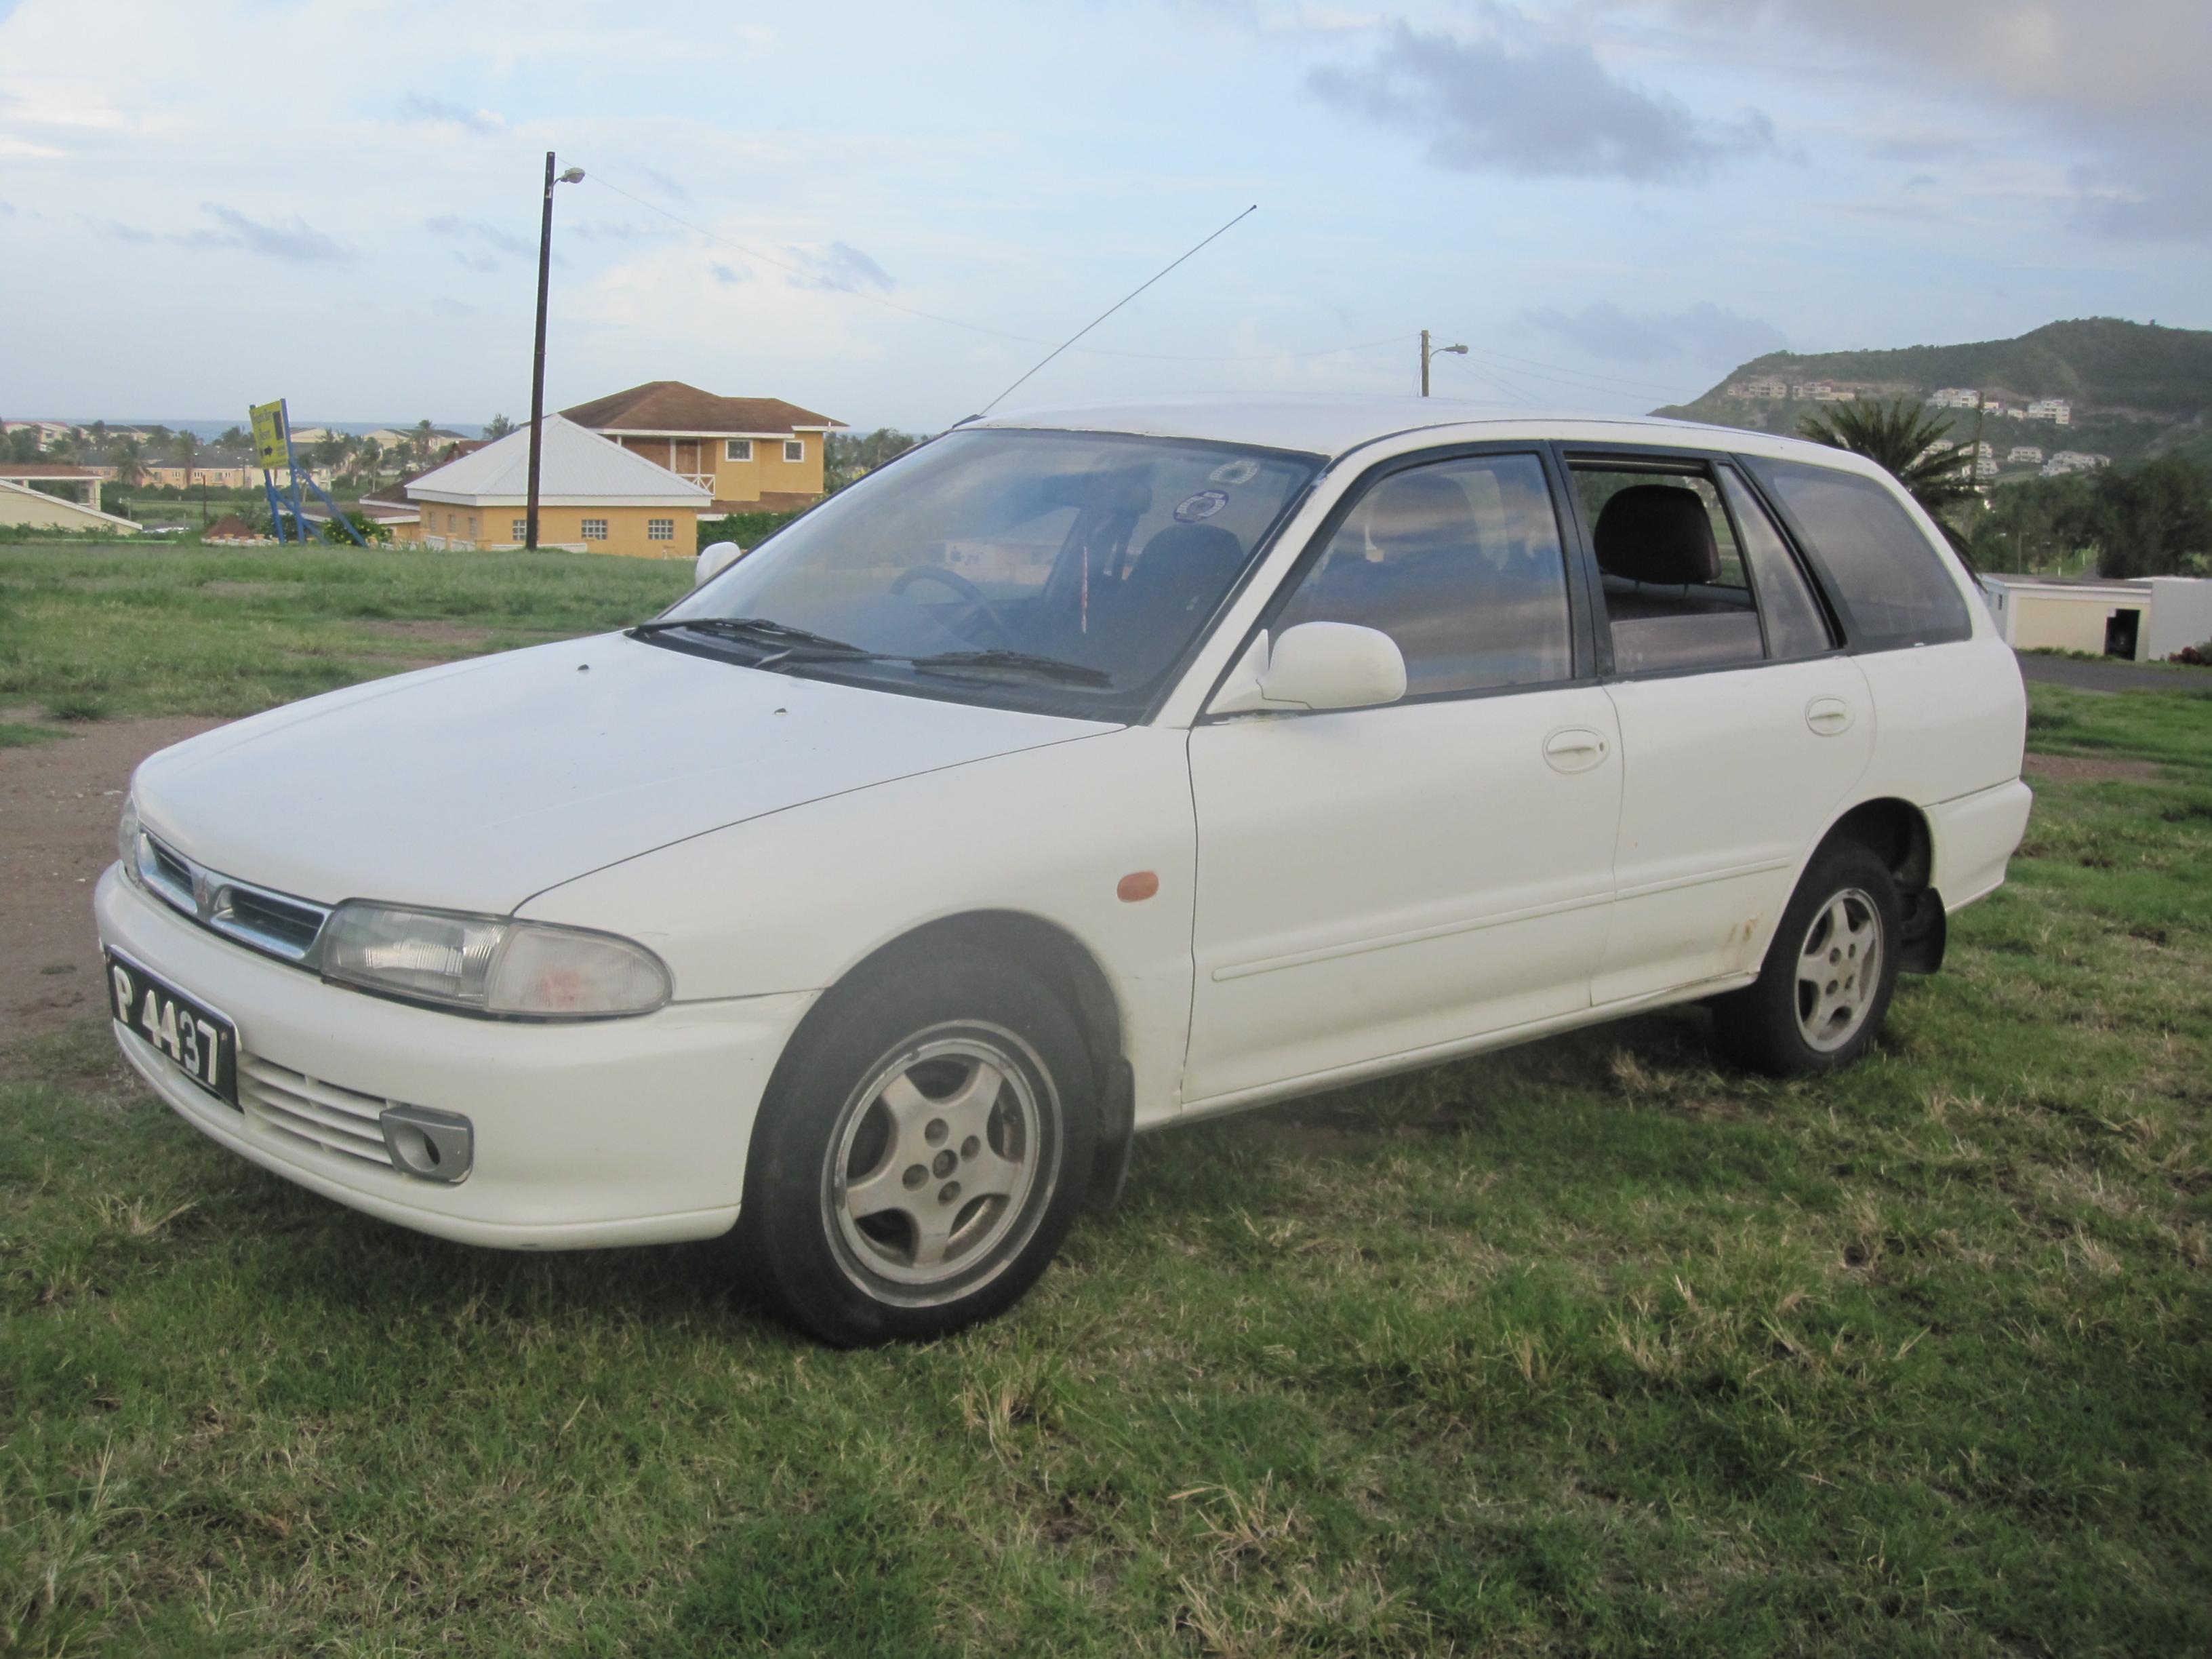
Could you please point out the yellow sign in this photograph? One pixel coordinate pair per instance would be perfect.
(272, 453)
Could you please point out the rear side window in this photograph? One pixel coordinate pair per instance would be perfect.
(1676, 596)
(1795, 626)
(1892, 579)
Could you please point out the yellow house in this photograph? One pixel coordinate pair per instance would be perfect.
(593, 496)
(751, 454)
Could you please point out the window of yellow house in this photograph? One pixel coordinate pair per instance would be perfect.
(521, 531)
(737, 449)
(595, 530)
(794, 449)
(661, 530)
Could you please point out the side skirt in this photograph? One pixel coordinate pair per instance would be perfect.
(1415, 1059)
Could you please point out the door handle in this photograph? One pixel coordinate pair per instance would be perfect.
(1828, 716)
(1576, 749)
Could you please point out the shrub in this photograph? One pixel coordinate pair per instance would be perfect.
(747, 530)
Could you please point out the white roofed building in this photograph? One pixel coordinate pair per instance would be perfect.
(593, 496)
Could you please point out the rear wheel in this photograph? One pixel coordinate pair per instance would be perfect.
(1825, 989)
(913, 1166)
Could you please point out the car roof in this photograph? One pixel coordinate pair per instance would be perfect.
(1333, 426)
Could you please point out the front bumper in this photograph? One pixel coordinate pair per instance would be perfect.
(616, 1132)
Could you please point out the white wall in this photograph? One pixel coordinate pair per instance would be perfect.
(2180, 614)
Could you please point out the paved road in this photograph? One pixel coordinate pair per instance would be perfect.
(2114, 675)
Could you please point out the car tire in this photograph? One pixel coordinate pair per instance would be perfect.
(1824, 990)
(919, 1154)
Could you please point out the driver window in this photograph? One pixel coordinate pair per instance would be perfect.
(1460, 562)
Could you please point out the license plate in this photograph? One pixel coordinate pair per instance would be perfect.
(203, 1043)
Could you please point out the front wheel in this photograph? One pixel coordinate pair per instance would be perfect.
(913, 1169)
(1820, 998)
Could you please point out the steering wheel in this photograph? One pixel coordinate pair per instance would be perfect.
(977, 603)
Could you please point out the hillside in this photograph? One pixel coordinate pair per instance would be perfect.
(2135, 390)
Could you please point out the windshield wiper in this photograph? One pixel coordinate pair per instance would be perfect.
(1011, 662)
(781, 637)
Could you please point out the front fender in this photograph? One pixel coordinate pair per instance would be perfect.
(791, 901)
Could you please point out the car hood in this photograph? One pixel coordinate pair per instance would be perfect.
(476, 785)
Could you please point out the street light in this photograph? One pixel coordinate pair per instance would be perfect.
(1428, 352)
(573, 176)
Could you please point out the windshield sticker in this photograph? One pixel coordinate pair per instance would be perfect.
(1238, 472)
(1203, 505)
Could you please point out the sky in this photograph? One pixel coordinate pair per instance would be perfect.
(887, 213)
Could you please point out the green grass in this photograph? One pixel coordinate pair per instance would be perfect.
(181, 630)
(1589, 1347)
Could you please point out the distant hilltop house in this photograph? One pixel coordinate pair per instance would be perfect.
(2057, 409)
(2074, 460)
(1823, 391)
(1772, 387)
(749, 454)
(386, 436)
(1956, 397)
(177, 476)
(593, 496)
(2024, 455)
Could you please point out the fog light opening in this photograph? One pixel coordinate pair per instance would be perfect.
(431, 1145)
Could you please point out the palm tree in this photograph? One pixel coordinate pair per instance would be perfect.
(123, 456)
(1913, 446)
(185, 446)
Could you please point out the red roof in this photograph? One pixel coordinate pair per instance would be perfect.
(231, 528)
(45, 470)
(671, 407)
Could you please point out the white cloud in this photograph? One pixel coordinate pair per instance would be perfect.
(1516, 97)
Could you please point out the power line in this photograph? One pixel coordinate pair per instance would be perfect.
(752, 252)
(796, 270)
(1552, 372)
(1576, 379)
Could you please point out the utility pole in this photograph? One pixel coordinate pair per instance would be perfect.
(538, 366)
(1427, 353)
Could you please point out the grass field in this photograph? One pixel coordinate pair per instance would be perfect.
(1590, 1348)
(85, 633)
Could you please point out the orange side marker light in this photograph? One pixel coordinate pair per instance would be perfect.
(1137, 886)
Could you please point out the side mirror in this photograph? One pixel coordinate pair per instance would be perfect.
(714, 560)
(1316, 665)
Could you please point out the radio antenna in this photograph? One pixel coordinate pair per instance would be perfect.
(1111, 309)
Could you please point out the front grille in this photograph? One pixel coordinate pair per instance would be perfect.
(275, 924)
(306, 1108)
(254, 914)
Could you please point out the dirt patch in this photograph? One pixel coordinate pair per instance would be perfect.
(2089, 769)
(58, 803)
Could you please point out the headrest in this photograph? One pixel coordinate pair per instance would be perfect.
(1417, 512)
(1657, 533)
(1188, 560)
(1193, 544)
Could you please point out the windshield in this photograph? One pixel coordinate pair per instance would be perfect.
(1067, 571)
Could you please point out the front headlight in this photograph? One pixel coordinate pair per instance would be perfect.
(490, 965)
(126, 837)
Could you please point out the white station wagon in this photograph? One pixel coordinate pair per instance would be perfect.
(1081, 773)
